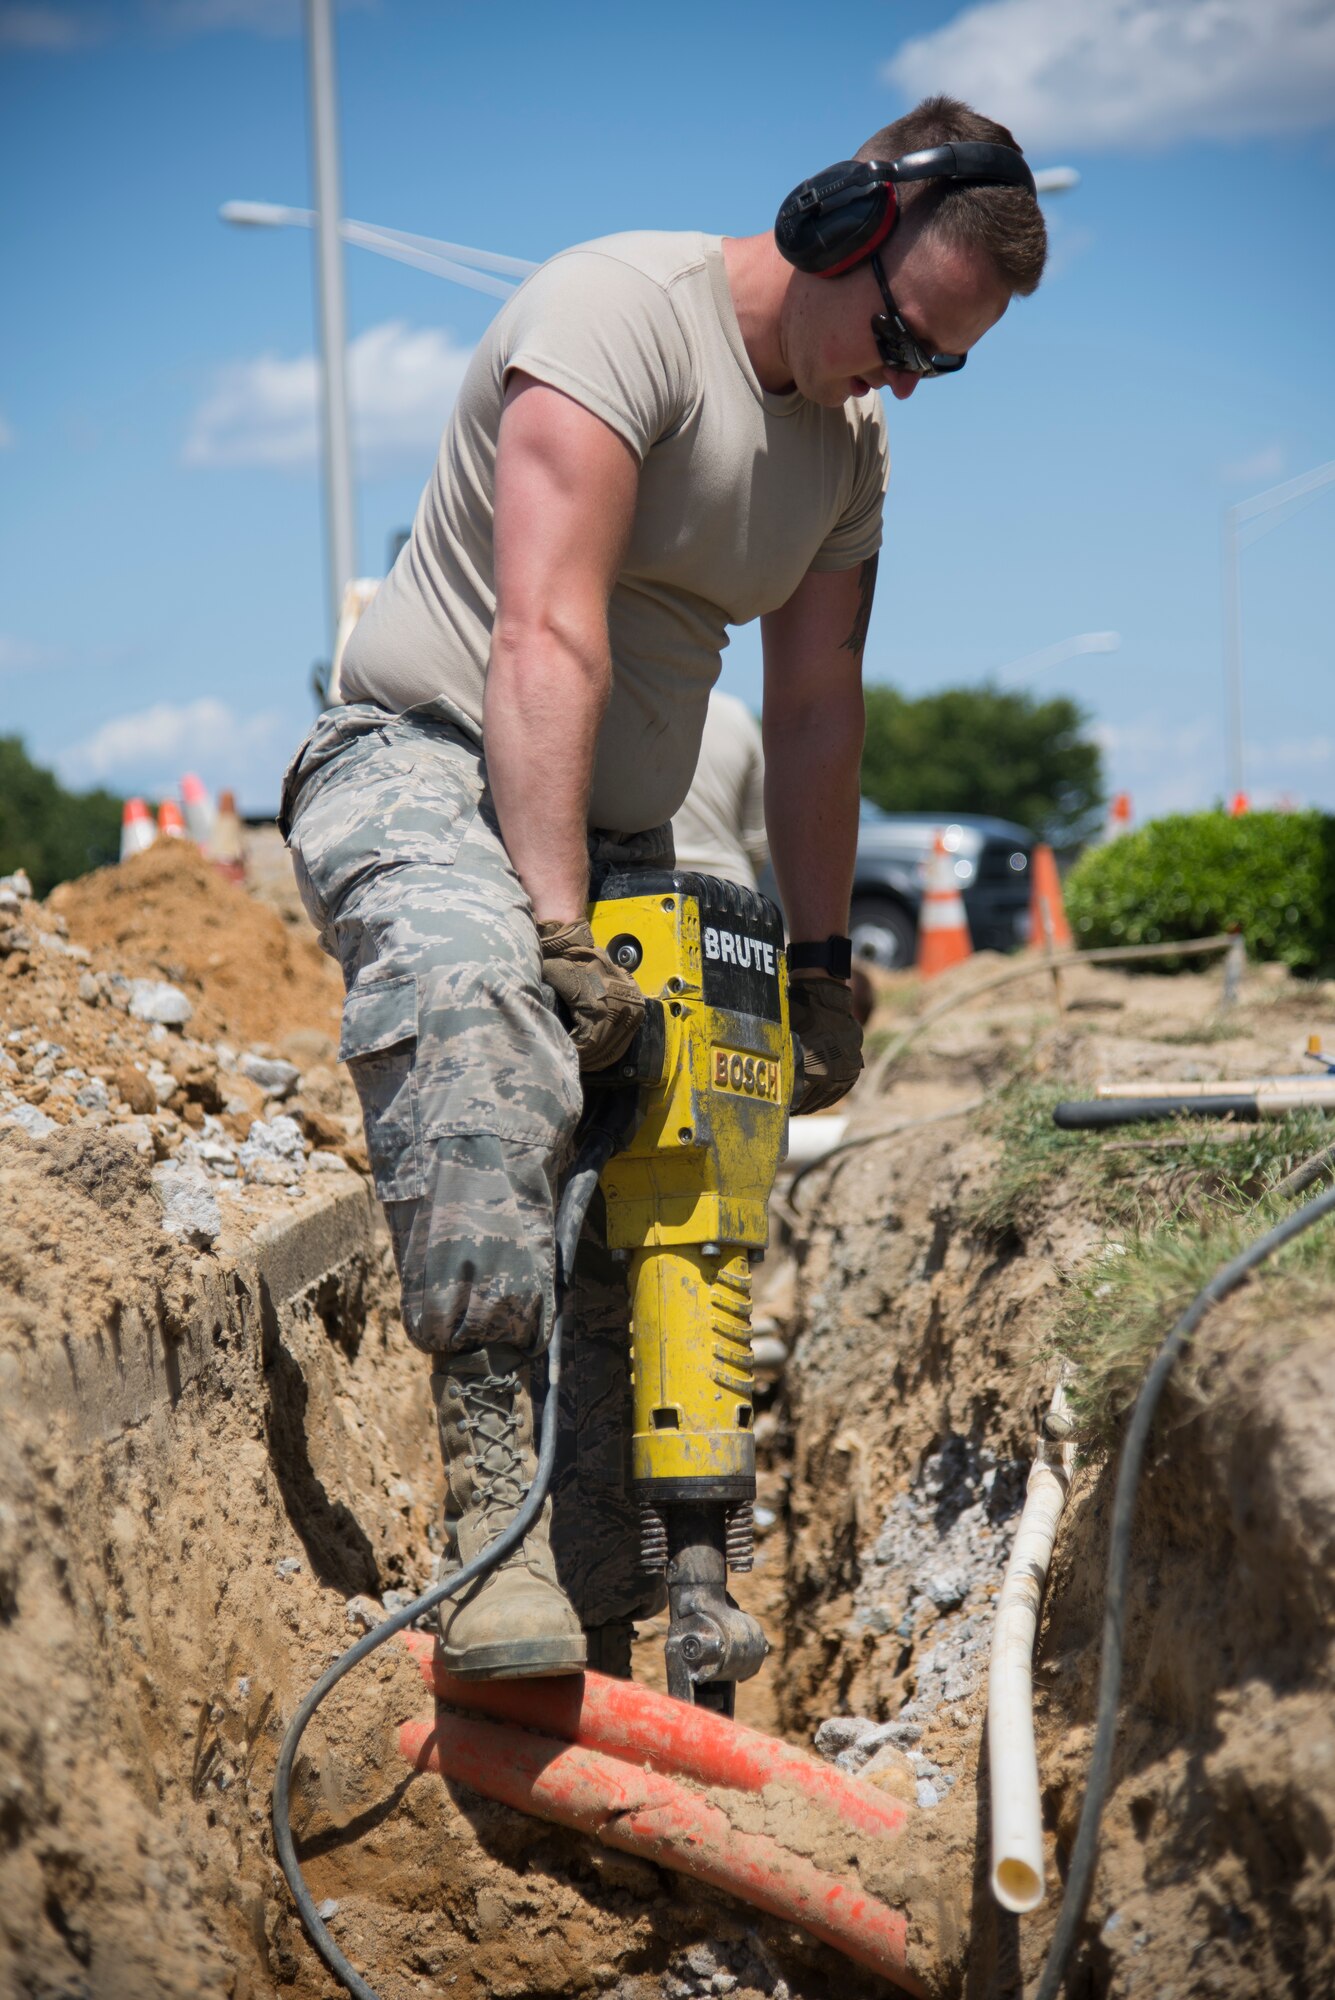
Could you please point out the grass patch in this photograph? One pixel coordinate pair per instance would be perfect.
(1115, 1318)
(1229, 1029)
(1174, 1172)
(1177, 1200)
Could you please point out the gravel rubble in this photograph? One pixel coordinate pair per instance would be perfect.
(931, 1578)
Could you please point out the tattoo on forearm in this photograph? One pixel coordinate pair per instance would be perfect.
(857, 638)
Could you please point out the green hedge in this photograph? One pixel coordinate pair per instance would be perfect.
(1195, 874)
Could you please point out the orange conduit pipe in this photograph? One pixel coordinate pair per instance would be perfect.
(642, 1726)
(642, 1812)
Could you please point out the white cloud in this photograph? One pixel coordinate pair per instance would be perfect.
(211, 17)
(149, 749)
(49, 28)
(1142, 73)
(1170, 769)
(1316, 753)
(402, 385)
(1263, 466)
(30, 24)
(247, 17)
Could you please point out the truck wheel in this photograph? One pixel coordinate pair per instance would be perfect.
(883, 931)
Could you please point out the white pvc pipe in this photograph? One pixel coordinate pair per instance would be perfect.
(1017, 1826)
(812, 1138)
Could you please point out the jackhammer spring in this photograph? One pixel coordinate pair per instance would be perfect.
(740, 1544)
(653, 1539)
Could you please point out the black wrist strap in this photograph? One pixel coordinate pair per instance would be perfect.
(833, 955)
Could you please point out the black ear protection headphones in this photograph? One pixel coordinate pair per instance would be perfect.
(841, 216)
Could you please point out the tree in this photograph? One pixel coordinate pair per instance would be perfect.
(985, 750)
(51, 832)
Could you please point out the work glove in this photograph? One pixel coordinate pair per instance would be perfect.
(820, 1013)
(603, 1004)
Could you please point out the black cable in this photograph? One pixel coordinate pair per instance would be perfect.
(603, 1138)
(1081, 1871)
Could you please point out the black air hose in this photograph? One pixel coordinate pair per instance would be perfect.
(1081, 1872)
(605, 1135)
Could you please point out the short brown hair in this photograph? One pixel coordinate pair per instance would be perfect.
(1006, 222)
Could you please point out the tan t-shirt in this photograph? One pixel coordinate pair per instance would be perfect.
(719, 828)
(741, 492)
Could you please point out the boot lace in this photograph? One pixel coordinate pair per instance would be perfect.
(492, 1416)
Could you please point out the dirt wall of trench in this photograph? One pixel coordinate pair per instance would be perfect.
(922, 1360)
(216, 1442)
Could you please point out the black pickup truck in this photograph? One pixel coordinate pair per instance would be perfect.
(992, 865)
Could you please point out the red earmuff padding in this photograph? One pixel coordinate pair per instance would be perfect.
(886, 222)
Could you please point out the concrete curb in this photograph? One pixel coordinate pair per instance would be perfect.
(100, 1383)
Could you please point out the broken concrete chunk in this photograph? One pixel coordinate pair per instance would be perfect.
(768, 1353)
(288, 1566)
(363, 1613)
(273, 1154)
(274, 1139)
(139, 1134)
(265, 1172)
(189, 1205)
(17, 884)
(94, 1095)
(154, 1000)
(327, 1163)
(274, 1077)
(210, 1152)
(947, 1590)
(30, 1120)
(841, 1732)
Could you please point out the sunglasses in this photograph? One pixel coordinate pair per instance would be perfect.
(896, 345)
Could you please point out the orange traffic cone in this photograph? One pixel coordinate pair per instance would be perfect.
(1119, 815)
(1048, 928)
(943, 928)
(170, 824)
(198, 807)
(224, 846)
(1238, 805)
(137, 828)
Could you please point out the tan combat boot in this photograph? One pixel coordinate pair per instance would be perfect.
(516, 1621)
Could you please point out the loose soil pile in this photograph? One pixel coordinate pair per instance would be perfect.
(167, 914)
(171, 1583)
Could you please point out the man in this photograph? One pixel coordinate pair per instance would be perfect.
(659, 436)
(719, 828)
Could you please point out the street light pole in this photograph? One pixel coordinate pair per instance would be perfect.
(1055, 656)
(1232, 654)
(340, 521)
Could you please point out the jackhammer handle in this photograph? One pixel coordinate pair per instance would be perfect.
(643, 1061)
(1103, 1112)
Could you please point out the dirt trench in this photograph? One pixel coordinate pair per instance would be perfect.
(923, 1357)
(217, 1441)
(210, 1447)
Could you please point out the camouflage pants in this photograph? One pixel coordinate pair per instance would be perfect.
(469, 1087)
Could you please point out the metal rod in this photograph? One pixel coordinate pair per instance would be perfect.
(340, 520)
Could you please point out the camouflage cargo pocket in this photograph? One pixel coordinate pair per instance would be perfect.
(382, 803)
(379, 1045)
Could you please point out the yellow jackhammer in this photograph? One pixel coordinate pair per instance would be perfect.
(686, 1209)
(714, 1070)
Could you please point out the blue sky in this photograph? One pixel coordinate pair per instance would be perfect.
(162, 590)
